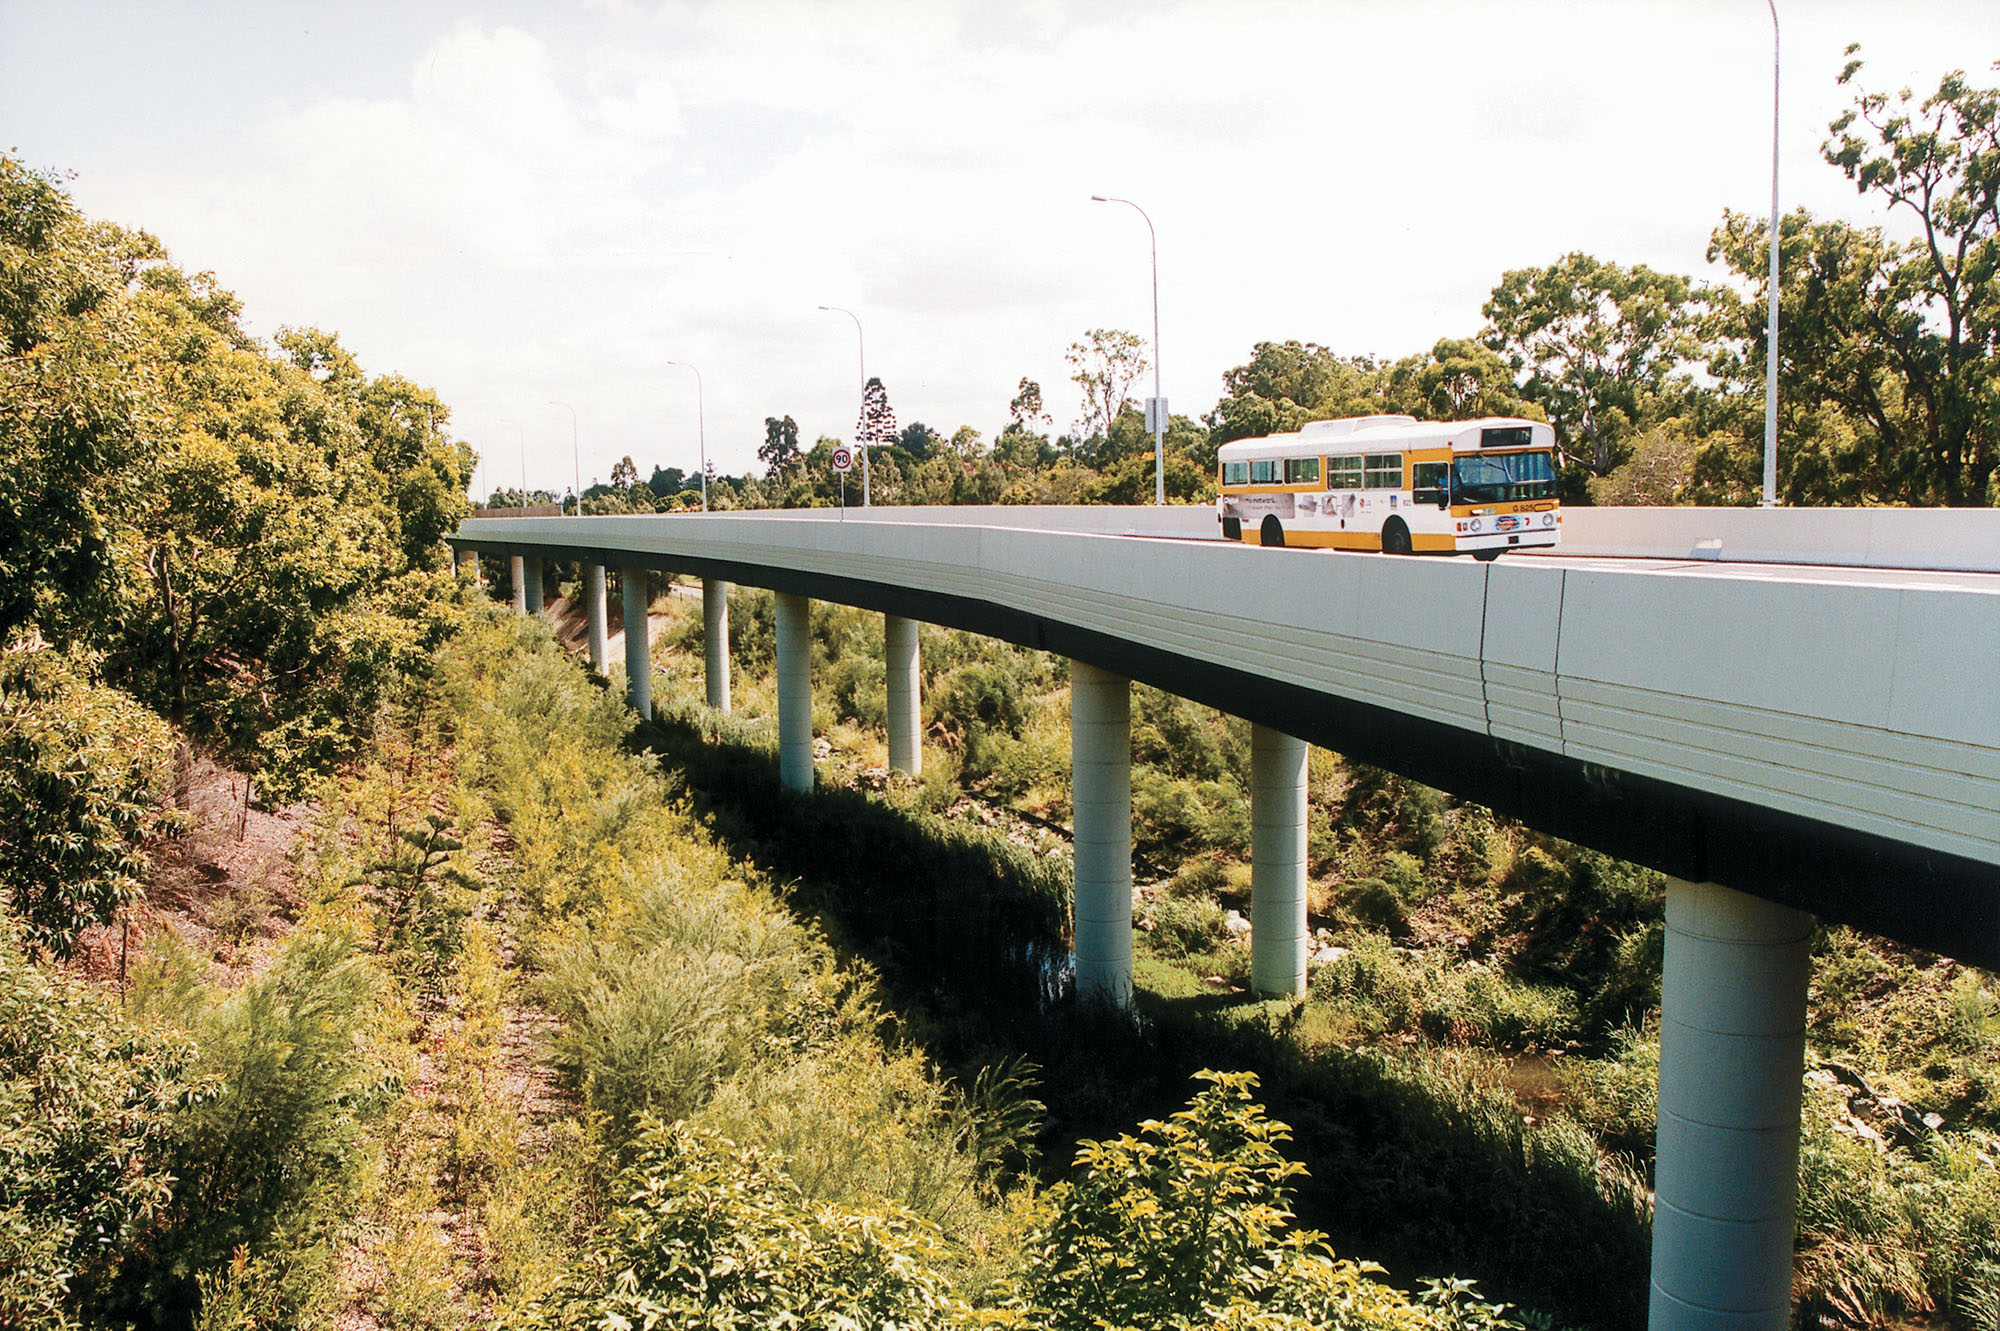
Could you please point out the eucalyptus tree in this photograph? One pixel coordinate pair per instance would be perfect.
(1889, 353)
(77, 406)
(1104, 365)
(1602, 348)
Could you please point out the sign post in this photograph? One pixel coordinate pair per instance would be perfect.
(843, 462)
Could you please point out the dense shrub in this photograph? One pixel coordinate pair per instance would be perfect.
(1183, 926)
(1188, 1224)
(1389, 991)
(88, 1106)
(85, 774)
(272, 1162)
(711, 1235)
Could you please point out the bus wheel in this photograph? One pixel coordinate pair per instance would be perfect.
(1487, 556)
(1395, 537)
(1270, 533)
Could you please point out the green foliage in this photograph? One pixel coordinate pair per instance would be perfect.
(253, 535)
(1601, 347)
(711, 1235)
(85, 773)
(271, 1163)
(1887, 349)
(88, 1106)
(1889, 1232)
(1104, 365)
(1386, 991)
(1286, 384)
(1184, 926)
(660, 1007)
(422, 898)
(1188, 1224)
(77, 406)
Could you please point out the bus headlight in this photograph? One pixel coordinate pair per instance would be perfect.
(1476, 524)
(1548, 519)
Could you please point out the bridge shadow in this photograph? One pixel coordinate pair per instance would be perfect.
(967, 932)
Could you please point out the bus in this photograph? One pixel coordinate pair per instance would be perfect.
(1394, 484)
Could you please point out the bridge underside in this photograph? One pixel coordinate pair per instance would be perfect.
(1922, 897)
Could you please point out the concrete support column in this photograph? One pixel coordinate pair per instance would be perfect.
(1277, 863)
(906, 717)
(795, 703)
(1732, 1050)
(517, 575)
(715, 641)
(474, 556)
(636, 584)
(593, 600)
(531, 584)
(1101, 775)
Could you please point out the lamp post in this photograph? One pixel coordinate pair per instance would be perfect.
(861, 351)
(1771, 338)
(1156, 409)
(575, 453)
(522, 434)
(701, 429)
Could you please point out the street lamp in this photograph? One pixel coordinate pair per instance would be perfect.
(523, 434)
(1771, 338)
(861, 350)
(576, 454)
(1156, 408)
(701, 429)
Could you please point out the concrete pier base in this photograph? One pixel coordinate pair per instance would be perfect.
(593, 601)
(1277, 863)
(517, 577)
(795, 711)
(906, 717)
(636, 583)
(1732, 1049)
(1101, 773)
(531, 585)
(715, 641)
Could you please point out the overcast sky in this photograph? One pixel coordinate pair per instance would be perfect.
(526, 203)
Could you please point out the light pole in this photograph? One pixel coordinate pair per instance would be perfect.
(575, 453)
(522, 433)
(1156, 409)
(701, 429)
(1771, 338)
(861, 351)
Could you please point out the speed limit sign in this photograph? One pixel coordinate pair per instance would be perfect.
(843, 460)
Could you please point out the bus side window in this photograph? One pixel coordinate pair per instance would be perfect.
(1343, 473)
(1427, 482)
(1301, 471)
(1385, 471)
(1264, 471)
(1236, 473)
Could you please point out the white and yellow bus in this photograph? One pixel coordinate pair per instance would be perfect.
(1396, 484)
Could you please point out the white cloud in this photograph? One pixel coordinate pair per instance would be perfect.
(552, 206)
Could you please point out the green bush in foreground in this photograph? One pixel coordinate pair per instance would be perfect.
(712, 1235)
(1185, 1226)
(84, 772)
(87, 1108)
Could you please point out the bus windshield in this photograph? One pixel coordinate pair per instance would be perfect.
(1487, 478)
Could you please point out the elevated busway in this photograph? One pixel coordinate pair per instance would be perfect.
(1822, 735)
(1790, 713)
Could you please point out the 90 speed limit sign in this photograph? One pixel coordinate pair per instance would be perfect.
(843, 459)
